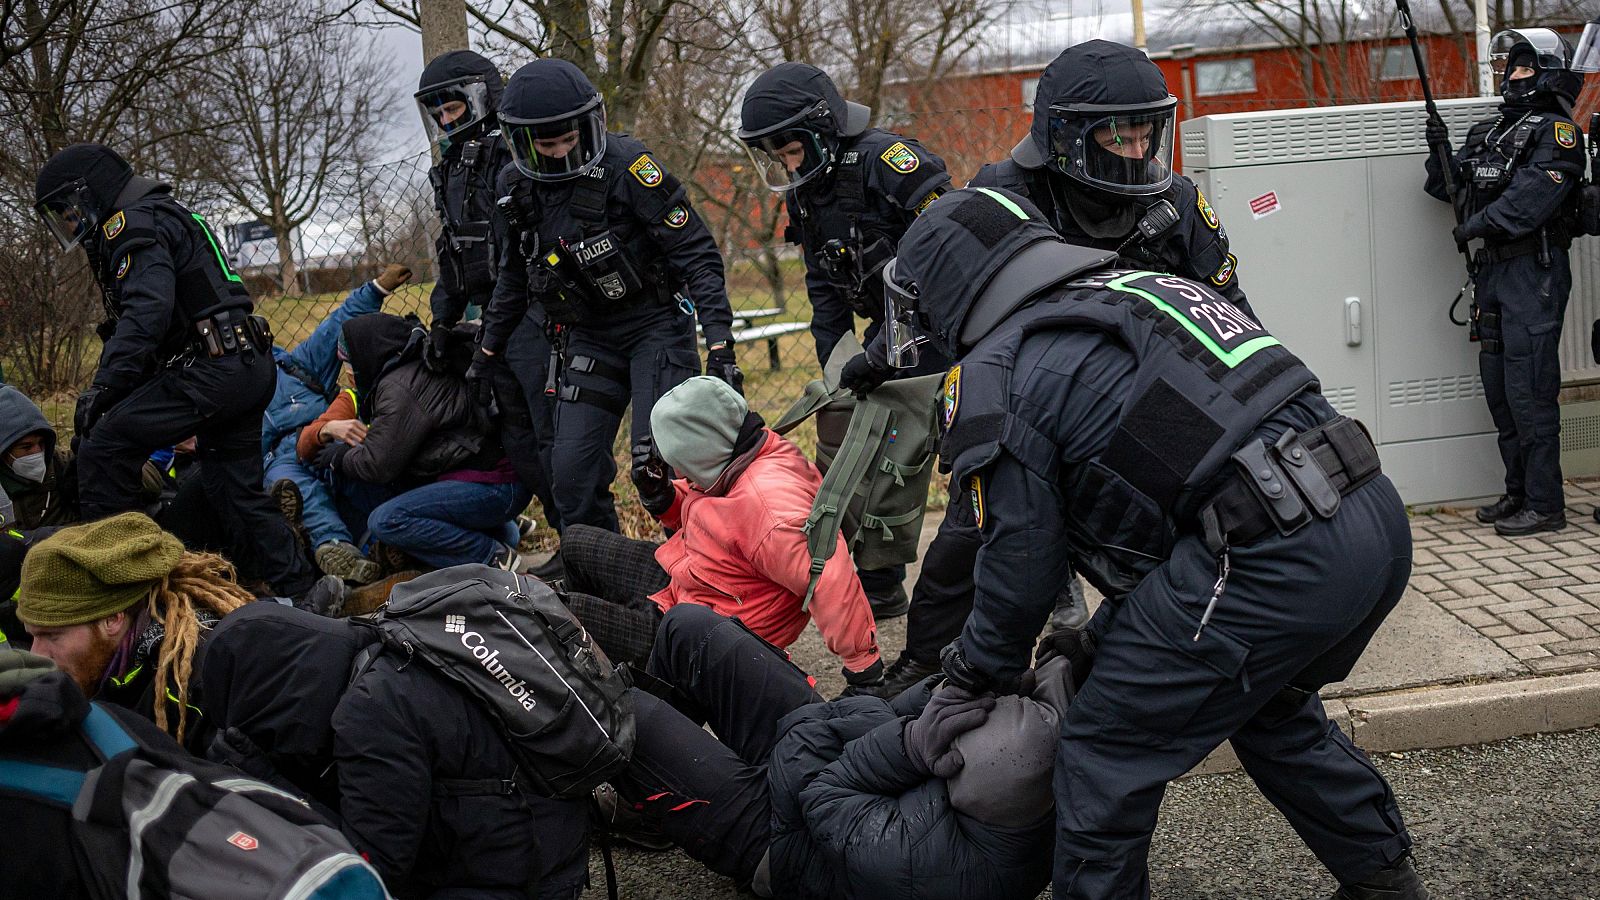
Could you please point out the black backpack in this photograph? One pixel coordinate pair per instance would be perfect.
(511, 644)
(153, 822)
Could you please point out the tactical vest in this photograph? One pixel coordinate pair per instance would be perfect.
(204, 283)
(463, 197)
(596, 272)
(1207, 377)
(1493, 152)
(848, 241)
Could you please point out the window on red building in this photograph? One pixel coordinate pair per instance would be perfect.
(1394, 63)
(1225, 76)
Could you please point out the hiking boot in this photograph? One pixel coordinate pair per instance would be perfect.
(344, 560)
(326, 598)
(904, 673)
(891, 607)
(292, 506)
(1072, 610)
(526, 526)
(1397, 882)
(369, 598)
(1530, 522)
(1503, 508)
(623, 823)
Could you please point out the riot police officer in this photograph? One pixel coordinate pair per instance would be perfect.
(604, 242)
(183, 355)
(458, 95)
(1521, 171)
(1144, 430)
(850, 191)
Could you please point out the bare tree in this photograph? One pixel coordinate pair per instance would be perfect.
(296, 105)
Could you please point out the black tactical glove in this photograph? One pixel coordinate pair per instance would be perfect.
(1460, 234)
(330, 456)
(93, 403)
(1077, 645)
(862, 375)
(867, 681)
(928, 739)
(1435, 132)
(964, 674)
(652, 478)
(721, 363)
(480, 378)
(437, 353)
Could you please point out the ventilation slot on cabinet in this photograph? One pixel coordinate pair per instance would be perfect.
(1435, 390)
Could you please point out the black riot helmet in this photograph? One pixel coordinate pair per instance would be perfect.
(796, 103)
(971, 259)
(1102, 116)
(554, 120)
(78, 188)
(457, 96)
(1554, 83)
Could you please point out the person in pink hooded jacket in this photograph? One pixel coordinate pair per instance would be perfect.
(736, 518)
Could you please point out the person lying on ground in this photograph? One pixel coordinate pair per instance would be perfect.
(449, 495)
(936, 794)
(418, 776)
(736, 516)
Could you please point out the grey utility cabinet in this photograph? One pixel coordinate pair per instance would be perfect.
(1350, 264)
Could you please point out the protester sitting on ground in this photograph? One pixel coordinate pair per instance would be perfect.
(418, 775)
(308, 380)
(453, 497)
(947, 797)
(120, 606)
(737, 519)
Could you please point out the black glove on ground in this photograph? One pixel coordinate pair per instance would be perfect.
(928, 739)
(651, 478)
(721, 363)
(862, 375)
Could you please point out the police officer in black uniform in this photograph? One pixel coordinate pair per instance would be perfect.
(603, 243)
(1141, 428)
(1521, 171)
(459, 94)
(850, 191)
(183, 356)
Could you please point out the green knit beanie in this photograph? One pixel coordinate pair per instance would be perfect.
(87, 572)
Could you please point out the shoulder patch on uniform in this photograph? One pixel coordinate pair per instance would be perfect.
(1566, 134)
(1555, 176)
(114, 225)
(928, 201)
(124, 266)
(900, 158)
(1206, 212)
(645, 169)
(950, 396)
(977, 499)
(677, 217)
(1225, 271)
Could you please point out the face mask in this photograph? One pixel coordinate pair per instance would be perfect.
(30, 467)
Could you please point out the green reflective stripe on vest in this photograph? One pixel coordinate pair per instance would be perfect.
(205, 229)
(1229, 358)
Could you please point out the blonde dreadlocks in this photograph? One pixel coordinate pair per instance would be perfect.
(198, 581)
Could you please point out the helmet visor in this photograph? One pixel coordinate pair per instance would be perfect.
(1545, 46)
(1124, 151)
(453, 107)
(1586, 58)
(900, 320)
(789, 159)
(559, 148)
(68, 213)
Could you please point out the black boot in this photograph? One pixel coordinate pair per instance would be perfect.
(903, 673)
(1397, 882)
(1531, 522)
(326, 598)
(1505, 507)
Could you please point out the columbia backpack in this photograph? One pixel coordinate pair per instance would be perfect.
(876, 455)
(152, 822)
(512, 645)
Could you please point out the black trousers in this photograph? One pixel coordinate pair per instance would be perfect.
(527, 415)
(1522, 381)
(609, 580)
(709, 794)
(220, 402)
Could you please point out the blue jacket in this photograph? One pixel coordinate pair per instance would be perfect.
(295, 401)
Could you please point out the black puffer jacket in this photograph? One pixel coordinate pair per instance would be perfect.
(426, 793)
(423, 423)
(852, 819)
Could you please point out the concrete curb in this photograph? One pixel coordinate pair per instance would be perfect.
(1453, 715)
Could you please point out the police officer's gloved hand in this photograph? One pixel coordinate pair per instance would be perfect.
(866, 681)
(436, 355)
(1076, 644)
(1435, 132)
(928, 739)
(721, 363)
(964, 674)
(330, 456)
(1460, 234)
(652, 478)
(392, 276)
(92, 405)
(863, 375)
(480, 378)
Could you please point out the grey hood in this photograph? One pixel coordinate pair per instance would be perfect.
(20, 417)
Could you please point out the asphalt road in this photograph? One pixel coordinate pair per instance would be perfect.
(1516, 820)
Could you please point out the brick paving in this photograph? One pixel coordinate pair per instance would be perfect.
(1537, 597)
